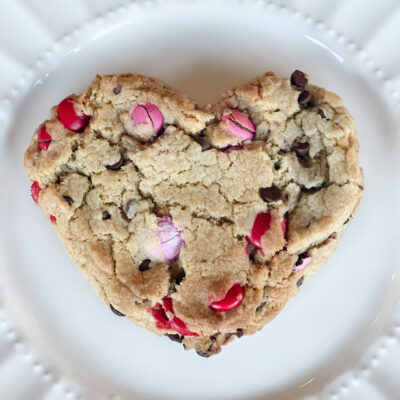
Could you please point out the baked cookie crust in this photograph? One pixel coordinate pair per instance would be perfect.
(197, 223)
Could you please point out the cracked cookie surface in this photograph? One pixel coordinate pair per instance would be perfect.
(197, 223)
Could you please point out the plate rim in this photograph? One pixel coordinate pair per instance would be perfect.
(361, 369)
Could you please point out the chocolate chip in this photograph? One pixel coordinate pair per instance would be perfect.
(298, 79)
(321, 113)
(202, 354)
(175, 338)
(300, 281)
(361, 187)
(117, 89)
(333, 236)
(277, 166)
(144, 265)
(251, 251)
(142, 303)
(285, 147)
(261, 306)
(68, 199)
(301, 149)
(202, 133)
(129, 209)
(105, 215)
(161, 131)
(301, 257)
(128, 206)
(311, 190)
(213, 340)
(347, 221)
(116, 312)
(117, 165)
(179, 277)
(228, 335)
(305, 99)
(239, 332)
(205, 145)
(286, 226)
(272, 193)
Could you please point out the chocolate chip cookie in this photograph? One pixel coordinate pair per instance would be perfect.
(197, 223)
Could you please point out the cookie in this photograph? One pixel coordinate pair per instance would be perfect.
(197, 223)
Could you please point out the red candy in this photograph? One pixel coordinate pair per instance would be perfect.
(261, 224)
(232, 299)
(167, 304)
(35, 190)
(53, 219)
(69, 117)
(43, 138)
(159, 312)
(162, 321)
(178, 325)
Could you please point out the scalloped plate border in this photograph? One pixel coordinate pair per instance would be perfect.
(335, 390)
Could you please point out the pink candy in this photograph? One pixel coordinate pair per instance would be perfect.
(239, 124)
(148, 114)
(304, 262)
(170, 238)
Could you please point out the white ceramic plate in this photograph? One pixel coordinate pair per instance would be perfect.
(339, 339)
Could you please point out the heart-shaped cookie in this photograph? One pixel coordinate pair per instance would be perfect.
(197, 223)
